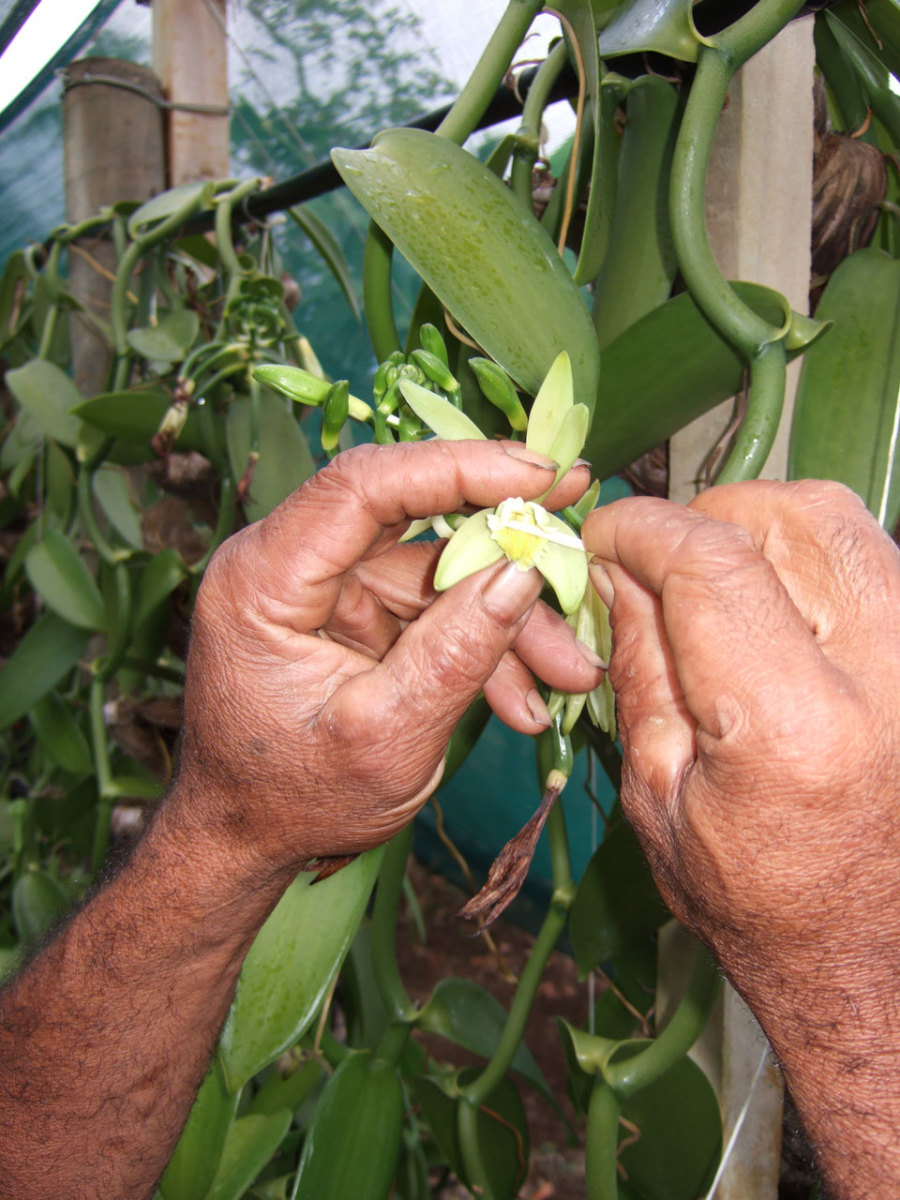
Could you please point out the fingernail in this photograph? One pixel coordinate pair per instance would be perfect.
(601, 581)
(538, 708)
(581, 462)
(590, 657)
(521, 452)
(510, 592)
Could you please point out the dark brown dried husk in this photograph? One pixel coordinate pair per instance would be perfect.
(849, 184)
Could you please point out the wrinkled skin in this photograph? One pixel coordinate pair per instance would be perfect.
(756, 662)
(324, 680)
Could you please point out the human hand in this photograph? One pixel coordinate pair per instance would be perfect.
(756, 641)
(324, 675)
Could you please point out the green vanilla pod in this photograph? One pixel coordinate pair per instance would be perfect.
(497, 387)
(435, 369)
(294, 382)
(484, 256)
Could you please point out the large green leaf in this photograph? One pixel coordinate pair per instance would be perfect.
(166, 204)
(195, 1161)
(284, 461)
(479, 250)
(60, 577)
(467, 1015)
(847, 415)
(169, 339)
(877, 26)
(49, 649)
(135, 416)
(48, 396)
(680, 1136)
(617, 903)
(666, 369)
(58, 732)
(159, 579)
(353, 1140)
(290, 966)
(251, 1142)
(113, 491)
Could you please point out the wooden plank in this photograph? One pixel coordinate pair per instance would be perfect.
(190, 57)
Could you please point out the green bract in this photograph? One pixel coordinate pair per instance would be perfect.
(521, 530)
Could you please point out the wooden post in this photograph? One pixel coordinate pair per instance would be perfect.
(759, 212)
(190, 56)
(113, 150)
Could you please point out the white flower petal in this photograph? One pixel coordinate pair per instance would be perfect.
(416, 528)
(566, 572)
(470, 549)
(570, 438)
(554, 399)
(439, 415)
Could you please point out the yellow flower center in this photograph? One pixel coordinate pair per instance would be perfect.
(518, 528)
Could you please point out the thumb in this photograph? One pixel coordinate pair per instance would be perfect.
(417, 694)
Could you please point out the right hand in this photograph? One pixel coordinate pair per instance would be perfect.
(756, 662)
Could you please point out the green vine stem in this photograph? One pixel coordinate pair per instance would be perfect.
(378, 303)
(490, 70)
(224, 523)
(528, 135)
(717, 63)
(602, 1143)
(51, 273)
(119, 639)
(225, 206)
(100, 751)
(632, 1075)
(104, 548)
(384, 929)
(470, 1147)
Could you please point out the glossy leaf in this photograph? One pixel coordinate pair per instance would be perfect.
(846, 422)
(290, 966)
(616, 904)
(467, 1015)
(58, 732)
(47, 652)
(48, 396)
(443, 418)
(135, 416)
(640, 267)
(487, 258)
(159, 579)
(878, 28)
(169, 340)
(680, 1128)
(329, 250)
(353, 1140)
(278, 1092)
(37, 901)
(111, 487)
(59, 575)
(663, 371)
(640, 26)
(251, 1143)
(285, 460)
(502, 1130)
(196, 1158)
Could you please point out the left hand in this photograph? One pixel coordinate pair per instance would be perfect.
(325, 677)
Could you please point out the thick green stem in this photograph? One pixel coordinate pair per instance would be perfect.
(765, 400)
(602, 1143)
(393, 1042)
(225, 206)
(528, 135)
(103, 772)
(632, 1075)
(470, 1147)
(490, 70)
(378, 302)
(384, 928)
(120, 637)
(51, 317)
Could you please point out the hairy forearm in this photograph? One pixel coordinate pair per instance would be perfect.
(92, 1095)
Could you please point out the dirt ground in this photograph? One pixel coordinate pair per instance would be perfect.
(556, 1166)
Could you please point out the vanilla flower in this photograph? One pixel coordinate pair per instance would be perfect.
(523, 531)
